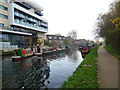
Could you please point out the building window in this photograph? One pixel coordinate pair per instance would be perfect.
(50, 37)
(1, 25)
(60, 38)
(50, 41)
(3, 16)
(55, 37)
(4, 0)
(3, 8)
(5, 37)
(27, 40)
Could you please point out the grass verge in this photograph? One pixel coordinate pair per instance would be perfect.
(85, 75)
(112, 51)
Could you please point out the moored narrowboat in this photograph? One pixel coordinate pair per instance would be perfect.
(21, 54)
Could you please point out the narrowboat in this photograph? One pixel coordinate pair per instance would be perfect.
(21, 54)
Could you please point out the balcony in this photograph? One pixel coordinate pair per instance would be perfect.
(23, 5)
(44, 29)
(15, 30)
(39, 13)
(43, 24)
(30, 25)
(30, 19)
(19, 15)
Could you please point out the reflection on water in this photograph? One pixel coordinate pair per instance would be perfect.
(39, 72)
(30, 73)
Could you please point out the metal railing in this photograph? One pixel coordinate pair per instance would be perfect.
(8, 47)
(12, 29)
(44, 24)
(30, 25)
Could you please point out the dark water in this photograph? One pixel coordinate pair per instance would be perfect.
(39, 72)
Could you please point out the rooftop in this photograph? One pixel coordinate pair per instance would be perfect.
(31, 3)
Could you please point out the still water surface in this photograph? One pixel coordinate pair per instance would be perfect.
(39, 72)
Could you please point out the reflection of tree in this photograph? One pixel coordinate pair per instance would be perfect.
(54, 56)
(72, 54)
(35, 76)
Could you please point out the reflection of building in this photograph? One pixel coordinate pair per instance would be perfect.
(70, 40)
(22, 22)
(57, 40)
(80, 42)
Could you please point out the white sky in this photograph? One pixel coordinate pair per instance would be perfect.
(66, 15)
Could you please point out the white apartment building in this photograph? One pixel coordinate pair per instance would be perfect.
(22, 23)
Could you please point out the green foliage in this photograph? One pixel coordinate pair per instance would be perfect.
(14, 53)
(19, 52)
(66, 42)
(49, 43)
(108, 26)
(114, 52)
(85, 75)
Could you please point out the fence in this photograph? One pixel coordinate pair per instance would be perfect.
(7, 47)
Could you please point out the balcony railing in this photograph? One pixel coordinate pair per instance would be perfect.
(39, 13)
(43, 24)
(19, 15)
(30, 25)
(23, 5)
(8, 47)
(26, 17)
(14, 29)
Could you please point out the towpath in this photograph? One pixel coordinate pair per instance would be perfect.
(108, 67)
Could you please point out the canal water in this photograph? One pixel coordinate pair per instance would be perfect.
(39, 72)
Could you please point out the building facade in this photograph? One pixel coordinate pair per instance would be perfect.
(80, 42)
(55, 39)
(22, 23)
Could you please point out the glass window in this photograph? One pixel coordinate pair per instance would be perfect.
(5, 37)
(60, 38)
(50, 41)
(3, 16)
(55, 37)
(6, 17)
(5, 0)
(1, 25)
(50, 37)
(0, 15)
(3, 8)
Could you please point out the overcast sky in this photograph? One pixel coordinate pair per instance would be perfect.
(66, 15)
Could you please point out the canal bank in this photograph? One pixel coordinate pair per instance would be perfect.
(85, 75)
(39, 72)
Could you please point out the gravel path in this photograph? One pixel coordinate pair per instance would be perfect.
(107, 69)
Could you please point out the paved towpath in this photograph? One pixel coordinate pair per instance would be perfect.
(107, 69)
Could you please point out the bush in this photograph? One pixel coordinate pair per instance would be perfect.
(114, 52)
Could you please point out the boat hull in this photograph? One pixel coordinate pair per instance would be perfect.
(38, 54)
(16, 58)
